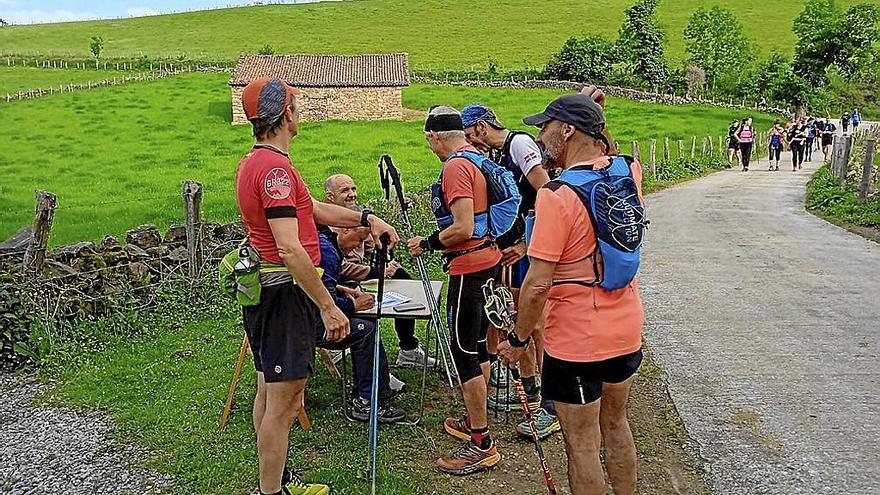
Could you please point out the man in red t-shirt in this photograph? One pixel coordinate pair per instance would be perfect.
(295, 308)
(472, 260)
(593, 342)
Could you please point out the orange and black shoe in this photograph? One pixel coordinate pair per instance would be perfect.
(468, 458)
(459, 428)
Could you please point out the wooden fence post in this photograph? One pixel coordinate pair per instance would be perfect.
(703, 153)
(653, 158)
(43, 217)
(693, 146)
(721, 145)
(666, 149)
(867, 170)
(680, 149)
(192, 201)
(635, 150)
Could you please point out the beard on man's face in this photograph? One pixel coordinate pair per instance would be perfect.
(550, 152)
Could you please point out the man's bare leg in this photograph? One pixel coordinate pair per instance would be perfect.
(474, 391)
(580, 427)
(620, 449)
(283, 402)
(259, 402)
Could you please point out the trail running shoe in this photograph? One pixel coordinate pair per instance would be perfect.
(414, 358)
(292, 484)
(388, 414)
(545, 423)
(509, 401)
(468, 458)
(458, 428)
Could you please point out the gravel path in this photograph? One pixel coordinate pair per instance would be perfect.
(765, 320)
(50, 450)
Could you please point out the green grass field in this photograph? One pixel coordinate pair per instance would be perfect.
(14, 79)
(116, 157)
(437, 33)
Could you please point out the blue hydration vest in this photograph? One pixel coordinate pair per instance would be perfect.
(504, 198)
(611, 198)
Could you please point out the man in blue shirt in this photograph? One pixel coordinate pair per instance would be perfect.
(363, 331)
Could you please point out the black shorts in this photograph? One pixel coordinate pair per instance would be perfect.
(827, 140)
(282, 331)
(467, 322)
(581, 383)
(733, 144)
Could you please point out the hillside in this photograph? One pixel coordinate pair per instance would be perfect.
(437, 33)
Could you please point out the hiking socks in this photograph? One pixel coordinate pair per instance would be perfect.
(481, 438)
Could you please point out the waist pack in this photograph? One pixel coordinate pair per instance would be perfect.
(504, 199)
(617, 213)
(241, 271)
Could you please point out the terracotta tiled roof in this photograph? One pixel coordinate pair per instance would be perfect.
(325, 70)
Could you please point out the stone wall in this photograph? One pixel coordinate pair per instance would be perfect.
(616, 91)
(345, 103)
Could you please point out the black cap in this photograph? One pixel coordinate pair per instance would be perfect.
(576, 109)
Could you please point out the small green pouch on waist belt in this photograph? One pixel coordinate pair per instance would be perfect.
(239, 274)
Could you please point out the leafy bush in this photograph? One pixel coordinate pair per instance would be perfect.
(267, 49)
(15, 329)
(587, 59)
(716, 43)
(640, 41)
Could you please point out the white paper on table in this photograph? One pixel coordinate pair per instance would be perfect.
(390, 299)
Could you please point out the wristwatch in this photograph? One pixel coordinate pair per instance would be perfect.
(515, 342)
(365, 213)
(425, 245)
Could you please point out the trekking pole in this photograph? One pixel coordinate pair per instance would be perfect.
(382, 253)
(501, 312)
(390, 177)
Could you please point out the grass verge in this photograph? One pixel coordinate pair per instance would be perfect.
(840, 205)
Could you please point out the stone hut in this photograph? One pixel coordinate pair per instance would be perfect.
(344, 87)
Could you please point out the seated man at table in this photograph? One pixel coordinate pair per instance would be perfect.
(340, 189)
(363, 331)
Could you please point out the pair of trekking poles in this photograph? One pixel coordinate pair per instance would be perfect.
(499, 309)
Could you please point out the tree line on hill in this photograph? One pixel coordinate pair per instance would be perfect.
(835, 64)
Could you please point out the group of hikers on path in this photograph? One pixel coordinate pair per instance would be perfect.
(576, 337)
(801, 136)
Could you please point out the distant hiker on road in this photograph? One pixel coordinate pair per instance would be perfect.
(844, 122)
(811, 136)
(593, 333)
(797, 138)
(828, 131)
(460, 200)
(732, 144)
(776, 140)
(745, 136)
(856, 119)
(294, 307)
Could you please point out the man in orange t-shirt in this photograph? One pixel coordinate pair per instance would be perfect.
(592, 344)
(472, 259)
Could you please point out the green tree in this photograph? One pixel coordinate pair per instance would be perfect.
(589, 59)
(640, 41)
(716, 43)
(96, 46)
(827, 36)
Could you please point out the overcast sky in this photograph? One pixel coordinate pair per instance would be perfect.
(31, 11)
